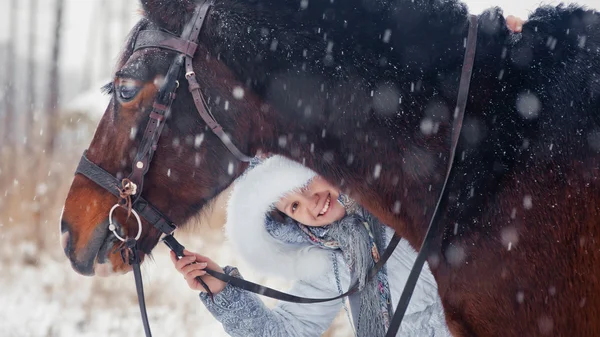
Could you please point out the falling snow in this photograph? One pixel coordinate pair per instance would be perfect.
(426, 126)
(527, 202)
(377, 171)
(396, 208)
(509, 237)
(387, 35)
(198, 140)
(385, 99)
(132, 132)
(41, 189)
(282, 141)
(455, 255)
(593, 139)
(528, 105)
(546, 324)
(238, 92)
(520, 297)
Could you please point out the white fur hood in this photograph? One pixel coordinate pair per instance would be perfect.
(252, 197)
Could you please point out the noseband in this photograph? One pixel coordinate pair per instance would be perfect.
(130, 192)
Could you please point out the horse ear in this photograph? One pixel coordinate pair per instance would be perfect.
(169, 14)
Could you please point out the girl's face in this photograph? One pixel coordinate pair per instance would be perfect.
(315, 205)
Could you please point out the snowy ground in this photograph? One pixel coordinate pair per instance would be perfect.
(42, 296)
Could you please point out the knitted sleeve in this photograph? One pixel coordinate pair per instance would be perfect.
(243, 314)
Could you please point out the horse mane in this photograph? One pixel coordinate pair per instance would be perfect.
(316, 41)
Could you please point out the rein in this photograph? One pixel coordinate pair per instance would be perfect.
(129, 190)
(434, 223)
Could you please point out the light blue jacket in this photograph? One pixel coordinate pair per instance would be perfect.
(243, 314)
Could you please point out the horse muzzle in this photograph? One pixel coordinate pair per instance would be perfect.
(91, 257)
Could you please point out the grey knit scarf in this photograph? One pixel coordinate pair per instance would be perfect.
(350, 235)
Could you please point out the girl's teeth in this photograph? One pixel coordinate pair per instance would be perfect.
(326, 207)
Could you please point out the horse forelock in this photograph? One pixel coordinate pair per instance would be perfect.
(130, 41)
(170, 15)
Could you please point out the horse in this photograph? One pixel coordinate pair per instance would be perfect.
(363, 92)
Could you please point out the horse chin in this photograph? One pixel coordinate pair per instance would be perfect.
(107, 269)
(108, 261)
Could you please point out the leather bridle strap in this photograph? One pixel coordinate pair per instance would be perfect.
(164, 40)
(156, 122)
(132, 258)
(106, 180)
(194, 88)
(186, 45)
(434, 224)
(177, 248)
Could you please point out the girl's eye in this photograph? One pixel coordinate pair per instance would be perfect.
(294, 206)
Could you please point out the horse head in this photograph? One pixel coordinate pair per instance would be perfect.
(189, 164)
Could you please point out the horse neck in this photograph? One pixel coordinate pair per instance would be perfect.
(383, 161)
(390, 171)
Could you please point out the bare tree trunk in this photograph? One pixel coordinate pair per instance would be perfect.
(54, 85)
(90, 50)
(31, 71)
(106, 38)
(9, 105)
(7, 139)
(32, 160)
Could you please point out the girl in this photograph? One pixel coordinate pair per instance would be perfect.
(285, 220)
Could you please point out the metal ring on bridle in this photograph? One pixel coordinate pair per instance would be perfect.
(113, 228)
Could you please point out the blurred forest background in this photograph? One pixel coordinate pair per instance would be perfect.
(50, 100)
(54, 57)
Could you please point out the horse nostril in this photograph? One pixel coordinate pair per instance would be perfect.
(64, 242)
(64, 226)
(65, 237)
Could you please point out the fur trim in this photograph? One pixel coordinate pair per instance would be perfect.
(252, 197)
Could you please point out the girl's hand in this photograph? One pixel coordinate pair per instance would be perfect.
(514, 23)
(193, 265)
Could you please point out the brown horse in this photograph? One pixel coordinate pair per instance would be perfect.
(363, 92)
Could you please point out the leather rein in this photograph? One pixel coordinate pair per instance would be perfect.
(129, 190)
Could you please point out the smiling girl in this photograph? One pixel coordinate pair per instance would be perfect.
(285, 220)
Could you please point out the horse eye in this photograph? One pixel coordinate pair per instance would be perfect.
(127, 92)
(127, 89)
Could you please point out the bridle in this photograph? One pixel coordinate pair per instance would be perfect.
(129, 190)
